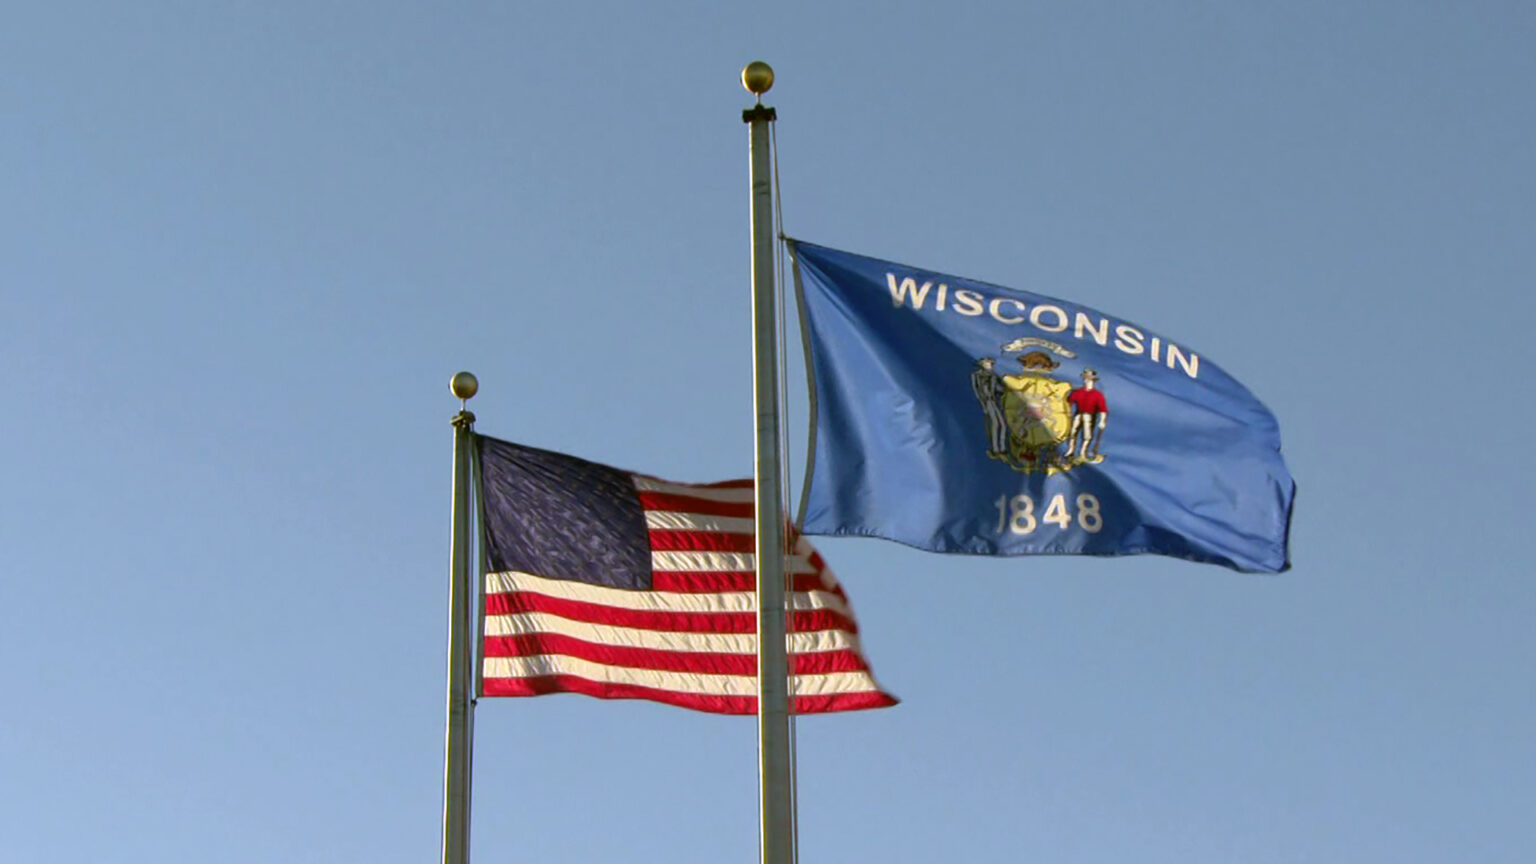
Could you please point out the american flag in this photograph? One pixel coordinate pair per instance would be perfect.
(622, 586)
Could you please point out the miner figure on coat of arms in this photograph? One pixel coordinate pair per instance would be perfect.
(1029, 415)
(989, 392)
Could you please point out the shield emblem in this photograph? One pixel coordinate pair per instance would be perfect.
(1035, 409)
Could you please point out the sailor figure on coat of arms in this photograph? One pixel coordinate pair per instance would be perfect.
(1032, 413)
(1089, 415)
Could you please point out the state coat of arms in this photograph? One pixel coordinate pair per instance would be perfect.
(1030, 414)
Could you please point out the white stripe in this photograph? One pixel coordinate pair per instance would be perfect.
(675, 521)
(676, 682)
(741, 494)
(833, 683)
(621, 598)
(653, 601)
(809, 601)
(739, 562)
(657, 640)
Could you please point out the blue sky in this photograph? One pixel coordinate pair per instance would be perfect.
(246, 244)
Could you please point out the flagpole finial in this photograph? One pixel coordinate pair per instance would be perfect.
(464, 386)
(757, 77)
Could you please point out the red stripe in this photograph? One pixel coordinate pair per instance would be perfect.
(811, 620)
(841, 702)
(703, 581)
(705, 663)
(665, 540)
(684, 504)
(681, 581)
(742, 483)
(713, 704)
(678, 622)
(826, 662)
(641, 619)
(727, 582)
(602, 690)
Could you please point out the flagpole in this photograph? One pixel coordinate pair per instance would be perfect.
(773, 745)
(459, 747)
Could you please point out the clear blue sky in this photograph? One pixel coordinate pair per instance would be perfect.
(244, 245)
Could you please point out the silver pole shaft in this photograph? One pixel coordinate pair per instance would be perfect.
(773, 745)
(459, 746)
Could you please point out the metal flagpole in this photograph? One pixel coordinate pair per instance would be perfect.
(773, 744)
(459, 747)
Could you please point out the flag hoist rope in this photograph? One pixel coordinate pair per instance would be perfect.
(781, 318)
(773, 743)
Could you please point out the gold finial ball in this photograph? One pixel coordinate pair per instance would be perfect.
(464, 385)
(757, 77)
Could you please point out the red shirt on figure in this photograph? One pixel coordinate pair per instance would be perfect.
(1088, 401)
